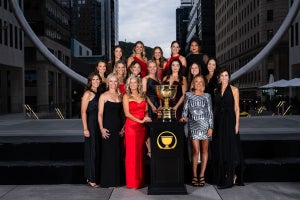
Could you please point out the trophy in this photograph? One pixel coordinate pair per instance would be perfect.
(166, 92)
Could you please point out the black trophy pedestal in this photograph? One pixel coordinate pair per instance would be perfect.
(167, 158)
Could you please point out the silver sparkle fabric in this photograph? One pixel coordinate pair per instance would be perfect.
(198, 110)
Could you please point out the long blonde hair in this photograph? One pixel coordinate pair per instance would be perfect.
(139, 89)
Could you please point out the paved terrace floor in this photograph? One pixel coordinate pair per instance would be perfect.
(252, 128)
(256, 191)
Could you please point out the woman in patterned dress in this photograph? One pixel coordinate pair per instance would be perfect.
(197, 110)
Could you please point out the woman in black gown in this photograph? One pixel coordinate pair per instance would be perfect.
(110, 123)
(226, 146)
(149, 82)
(89, 113)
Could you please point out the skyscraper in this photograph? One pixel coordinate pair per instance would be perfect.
(11, 61)
(95, 24)
(243, 28)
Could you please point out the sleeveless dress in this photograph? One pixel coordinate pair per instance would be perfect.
(143, 66)
(174, 101)
(226, 145)
(111, 159)
(92, 143)
(198, 109)
(135, 136)
(151, 94)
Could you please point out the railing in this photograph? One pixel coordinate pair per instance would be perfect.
(44, 111)
(30, 112)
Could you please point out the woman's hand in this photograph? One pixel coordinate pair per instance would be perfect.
(86, 133)
(236, 129)
(209, 132)
(121, 133)
(147, 119)
(105, 133)
(183, 119)
(154, 109)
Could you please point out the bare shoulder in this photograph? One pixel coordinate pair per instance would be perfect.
(235, 90)
(86, 95)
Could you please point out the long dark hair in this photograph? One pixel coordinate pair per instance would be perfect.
(88, 86)
(113, 58)
(180, 75)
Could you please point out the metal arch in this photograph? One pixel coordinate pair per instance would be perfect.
(252, 64)
(42, 48)
(268, 48)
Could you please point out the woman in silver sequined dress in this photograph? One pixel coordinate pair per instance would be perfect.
(197, 110)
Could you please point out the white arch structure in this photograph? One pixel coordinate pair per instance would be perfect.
(61, 66)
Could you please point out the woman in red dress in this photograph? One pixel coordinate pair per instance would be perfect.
(135, 109)
(139, 55)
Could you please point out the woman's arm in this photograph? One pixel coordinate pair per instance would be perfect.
(127, 112)
(210, 116)
(104, 132)
(184, 88)
(236, 97)
(129, 61)
(84, 104)
(183, 60)
(185, 111)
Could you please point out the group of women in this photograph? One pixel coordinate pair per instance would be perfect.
(120, 103)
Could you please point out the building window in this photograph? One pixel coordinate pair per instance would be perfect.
(292, 35)
(30, 55)
(30, 78)
(16, 37)
(5, 34)
(270, 34)
(20, 39)
(5, 4)
(296, 34)
(270, 15)
(11, 33)
(0, 30)
(80, 50)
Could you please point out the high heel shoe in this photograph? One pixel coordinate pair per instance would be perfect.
(201, 181)
(195, 182)
(93, 185)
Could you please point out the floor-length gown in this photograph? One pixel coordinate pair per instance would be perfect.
(226, 146)
(92, 143)
(110, 147)
(135, 136)
(151, 94)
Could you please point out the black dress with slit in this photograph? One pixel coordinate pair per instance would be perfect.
(92, 143)
(226, 146)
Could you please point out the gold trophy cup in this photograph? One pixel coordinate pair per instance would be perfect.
(166, 92)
